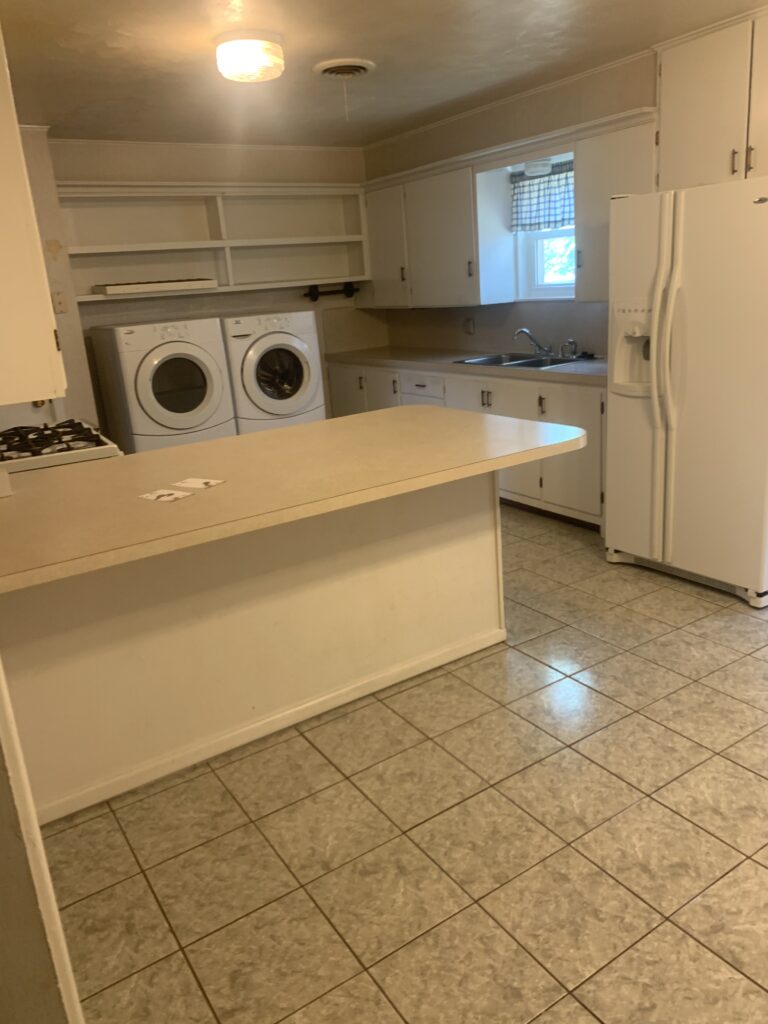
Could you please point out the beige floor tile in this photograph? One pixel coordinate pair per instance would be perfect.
(569, 710)
(707, 716)
(466, 970)
(441, 704)
(622, 583)
(177, 819)
(667, 978)
(672, 606)
(623, 627)
(271, 963)
(570, 915)
(165, 991)
(646, 754)
(365, 737)
(724, 799)
(687, 654)
(358, 1001)
(508, 675)
(468, 659)
(569, 650)
(524, 623)
(498, 744)
(418, 783)
(567, 1011)
(326, 830)
(406, 684)
(568, 793)
(573, 568)
(159, 785)
(87, 858)
(751, 752)
(740, 632)
(334, 713)
(717, 597)
(520, 584)
(115, 933)
(525, 554)
(521, 523)
(254, 747)
(386, 898)
(745, 680)
(660, 856)
(568, 604)
(52, 828)
(762, 856)
(216, 883)
(631, 680)
(731, 919)
(485, 841)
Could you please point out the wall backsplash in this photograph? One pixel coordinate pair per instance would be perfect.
(551, 322)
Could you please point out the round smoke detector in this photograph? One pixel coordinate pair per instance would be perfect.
(344, 67)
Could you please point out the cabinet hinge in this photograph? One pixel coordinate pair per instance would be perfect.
(658, 136)
(56, 339)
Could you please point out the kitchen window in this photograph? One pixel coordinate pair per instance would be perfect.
(542, 218)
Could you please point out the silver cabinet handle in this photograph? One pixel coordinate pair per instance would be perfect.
(750, 158)
(579, 259)
(489, 398)
(470, 268)
(420, 385)
(402, 273)
(360, 383)
(734, 161)
(394, 385)
(483, 396)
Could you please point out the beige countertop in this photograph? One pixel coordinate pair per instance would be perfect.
(74, 519)
(592, 372)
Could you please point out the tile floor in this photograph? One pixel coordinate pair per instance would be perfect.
(571, 827)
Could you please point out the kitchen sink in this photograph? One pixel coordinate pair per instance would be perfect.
(495, 360)
(541, 363)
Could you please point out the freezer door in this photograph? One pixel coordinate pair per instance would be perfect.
(716, 393)
(640, 253)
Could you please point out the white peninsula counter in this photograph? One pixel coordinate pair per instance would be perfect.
(335, 558)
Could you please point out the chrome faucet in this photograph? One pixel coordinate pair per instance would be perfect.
(542, 350)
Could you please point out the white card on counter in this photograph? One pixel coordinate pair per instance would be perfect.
(166, 495)
(198, 483)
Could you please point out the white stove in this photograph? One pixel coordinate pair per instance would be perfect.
(43, 445)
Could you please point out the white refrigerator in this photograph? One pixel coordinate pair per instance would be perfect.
(687, 453)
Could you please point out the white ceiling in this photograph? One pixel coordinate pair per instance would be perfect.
(144, 69)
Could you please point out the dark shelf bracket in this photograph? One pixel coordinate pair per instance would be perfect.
(348, 289)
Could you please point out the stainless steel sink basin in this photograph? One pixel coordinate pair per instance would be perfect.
(496, 360)
(541, 363)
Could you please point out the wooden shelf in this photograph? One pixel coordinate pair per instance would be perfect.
(247, 287)
(213, 243)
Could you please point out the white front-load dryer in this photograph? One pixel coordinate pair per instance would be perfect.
(276, 371)
(164, 384)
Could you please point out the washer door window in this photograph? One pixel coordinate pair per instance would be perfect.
(179, 385)
(280, 374)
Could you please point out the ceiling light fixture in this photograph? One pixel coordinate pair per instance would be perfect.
(250, 56)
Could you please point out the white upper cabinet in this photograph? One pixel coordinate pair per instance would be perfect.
(704, 108)
(440, 221)
(388, 252)
(618, 163)
(30, 362)
(757, 151)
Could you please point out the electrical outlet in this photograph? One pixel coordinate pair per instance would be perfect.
(59, 300)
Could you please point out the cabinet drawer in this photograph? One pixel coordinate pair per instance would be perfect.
(421, 400)
(422, 384)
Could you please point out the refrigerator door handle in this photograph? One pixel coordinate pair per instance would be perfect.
(664, 266)
(669, 404)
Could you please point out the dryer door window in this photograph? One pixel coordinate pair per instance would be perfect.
(280, 373)
(179, 385)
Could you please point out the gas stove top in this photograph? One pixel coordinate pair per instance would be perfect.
(36, 447)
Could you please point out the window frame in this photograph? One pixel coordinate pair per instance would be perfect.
(527, 264)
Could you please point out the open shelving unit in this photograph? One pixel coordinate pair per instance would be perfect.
(244, 238)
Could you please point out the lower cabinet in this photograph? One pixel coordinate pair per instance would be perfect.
(382, 387)
(361, 388)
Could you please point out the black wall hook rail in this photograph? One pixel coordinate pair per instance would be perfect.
(348, 289)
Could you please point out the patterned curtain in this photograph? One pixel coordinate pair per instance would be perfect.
(545, 202)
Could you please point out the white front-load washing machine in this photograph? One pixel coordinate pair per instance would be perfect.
(164, 384)
(276, 372)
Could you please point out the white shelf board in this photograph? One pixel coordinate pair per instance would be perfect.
(251, 287)
(213, 243)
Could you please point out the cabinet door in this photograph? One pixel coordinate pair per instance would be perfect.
(704, 103)
(30, 363)
(347, 387)
(382, 387)
(442, 258)
(517, 398)
(619, 163)
(386, 243)
(467, 392)
(574, 481)
(757, 153)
